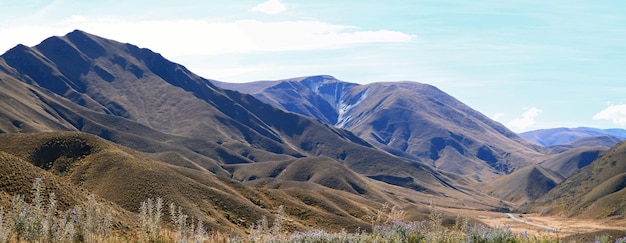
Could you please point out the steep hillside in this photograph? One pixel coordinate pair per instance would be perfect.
(564, 136)
(412, 120)
(21, 109)
(605, 141)
(18, 176)
(595, 191)
(532, 182)
(569, 161)
(135, 97)
(524, 185)
(210, 141)
(120, 175)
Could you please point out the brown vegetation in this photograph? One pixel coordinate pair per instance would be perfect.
(97, 117)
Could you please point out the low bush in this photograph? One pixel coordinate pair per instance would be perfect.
(38, 221)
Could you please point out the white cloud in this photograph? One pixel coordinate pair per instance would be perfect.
(614, 113)
(497, 116)
(200, 37)
(270, 7)
(527, 119)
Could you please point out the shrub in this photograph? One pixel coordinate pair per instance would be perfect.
(385, 214)
(261, 230)
(483, 234)
(40, 222)
(399, 231)
(150, 217)
(31, 222)
(93, 221)
(193, 231)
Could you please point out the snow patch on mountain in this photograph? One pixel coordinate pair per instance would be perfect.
(346, 107)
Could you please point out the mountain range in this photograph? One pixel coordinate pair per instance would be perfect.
(411, 120)
(96, 116)
(138, 99)
(402, 117)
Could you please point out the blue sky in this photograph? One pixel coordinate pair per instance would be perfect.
(527, 64)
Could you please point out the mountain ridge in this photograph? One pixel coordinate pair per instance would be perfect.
(356, 147)
(595, 191)
(136, 98)
(408, 119)
(564, 136)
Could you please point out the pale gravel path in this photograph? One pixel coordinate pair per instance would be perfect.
(537, 225)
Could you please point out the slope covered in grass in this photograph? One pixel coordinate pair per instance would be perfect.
(524, 185)
(571, 160)
(596, 190)
(137, 98)
(77, 164)
(412, 120)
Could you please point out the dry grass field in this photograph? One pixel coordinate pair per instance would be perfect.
(566, 226)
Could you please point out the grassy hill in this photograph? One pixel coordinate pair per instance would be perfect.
(408, 119)
(95, 116)
(571, 160)
(136, 98)
(75, 164)
(595, 191)
(524, 185)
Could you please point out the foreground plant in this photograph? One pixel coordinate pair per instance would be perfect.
(185, 229)
(40, 222)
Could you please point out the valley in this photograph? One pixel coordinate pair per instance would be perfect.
(536, 224)
(94, 116)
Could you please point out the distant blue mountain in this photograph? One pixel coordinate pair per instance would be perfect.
(565, 136)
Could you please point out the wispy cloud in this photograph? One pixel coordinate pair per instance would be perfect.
(497, 116)
(201, 37)
(613, 113)
(270, 7)
(526, 120)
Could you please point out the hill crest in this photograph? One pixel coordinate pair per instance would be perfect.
(408, 119)
(136, 98)
(566, 136)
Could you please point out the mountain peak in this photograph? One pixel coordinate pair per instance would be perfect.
(413, 120)
(19, 48)
(319, 78)
(78, 32)
(314, 82)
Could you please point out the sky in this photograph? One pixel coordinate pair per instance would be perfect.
(527, 64)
